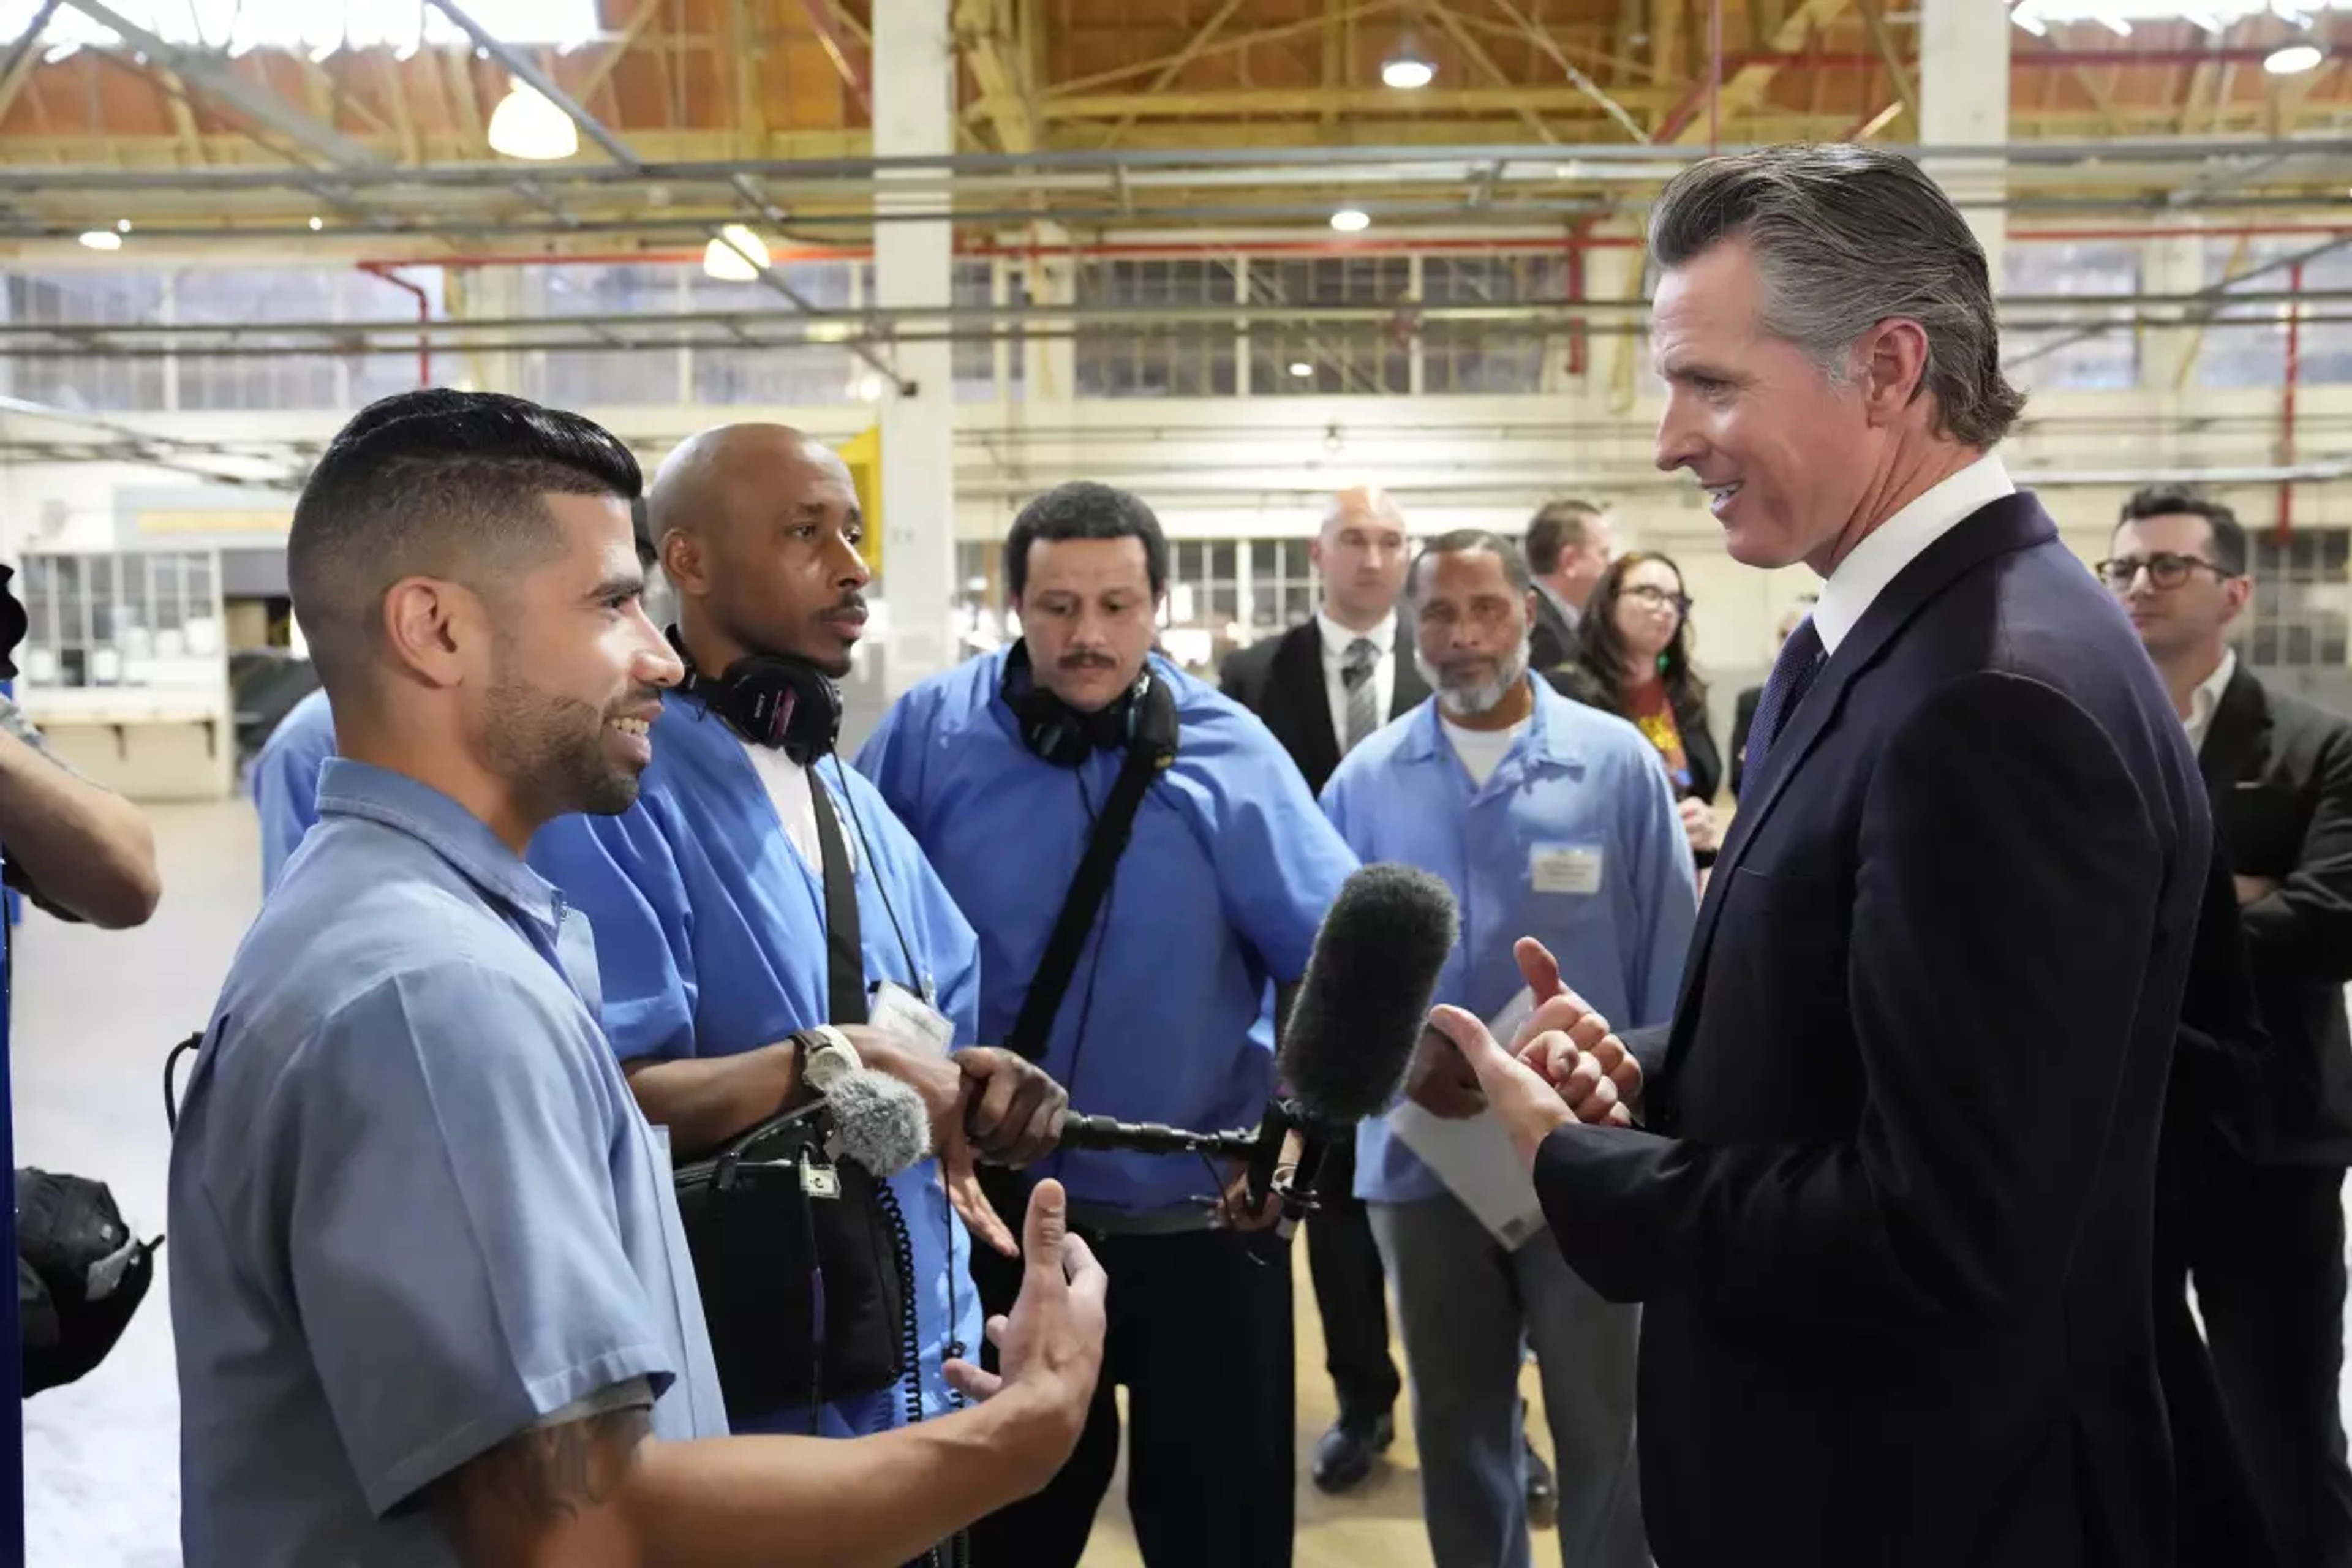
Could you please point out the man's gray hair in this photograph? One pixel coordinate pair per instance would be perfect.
(1848, 236)
(1463, 541)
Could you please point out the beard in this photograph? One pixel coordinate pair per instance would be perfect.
(1469, 700)
(551, 749)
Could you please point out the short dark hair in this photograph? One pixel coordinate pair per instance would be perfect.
(1463, 542)
(2175, 500)
(436, 483)
(641, 525)
(1847, 236)
(1085, 509)
(1559, 527)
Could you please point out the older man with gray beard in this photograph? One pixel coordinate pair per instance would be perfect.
(1552, 820)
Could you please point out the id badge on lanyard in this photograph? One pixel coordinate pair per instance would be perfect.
(910, 1017)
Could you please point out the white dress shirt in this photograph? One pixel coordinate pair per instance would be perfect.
(1336, 639)
(2208, 697)
(1902, 539)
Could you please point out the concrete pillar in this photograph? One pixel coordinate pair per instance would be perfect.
(914, 85)
(1964, 102)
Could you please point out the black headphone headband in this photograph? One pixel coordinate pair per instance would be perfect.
(771, 699)
(1143, 715)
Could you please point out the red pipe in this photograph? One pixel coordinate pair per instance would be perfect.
(1714, 75)
(2286, 397)
(382, 270)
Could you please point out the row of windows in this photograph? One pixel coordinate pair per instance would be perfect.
(2245, 345)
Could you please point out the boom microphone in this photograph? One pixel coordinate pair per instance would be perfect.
(1361, 1006)
(1365, 997)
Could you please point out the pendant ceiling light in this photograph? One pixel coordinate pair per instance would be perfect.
(741, 262)
(526, 125)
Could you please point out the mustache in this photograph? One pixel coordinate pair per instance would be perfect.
(1086, 660)
(636, 702)
(850, 599)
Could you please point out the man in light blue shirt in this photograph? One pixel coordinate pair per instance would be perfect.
(1000, 767)
(709, 897)
(1555, 821)
(430, 1293)
(286, 781)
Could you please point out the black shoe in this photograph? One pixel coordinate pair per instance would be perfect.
(1543, 1492)
(1344, 1457)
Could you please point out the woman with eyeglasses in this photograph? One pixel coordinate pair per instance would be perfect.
(1634, 662)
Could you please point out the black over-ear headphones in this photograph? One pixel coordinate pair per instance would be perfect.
(1143, 715)
(771, 699)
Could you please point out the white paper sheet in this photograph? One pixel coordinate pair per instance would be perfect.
(1474, 1158)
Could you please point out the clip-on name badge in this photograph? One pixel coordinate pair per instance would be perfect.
(902, 1013)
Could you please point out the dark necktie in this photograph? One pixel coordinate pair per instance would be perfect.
(1363, 699)
(1800, 660)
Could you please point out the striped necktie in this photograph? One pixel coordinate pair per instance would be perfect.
(1802, 658)
(1364, 698)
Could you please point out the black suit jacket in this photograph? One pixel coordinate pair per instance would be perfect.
(1891, 1216)
(1280, 680)
(1552, 643)
(2280, 775)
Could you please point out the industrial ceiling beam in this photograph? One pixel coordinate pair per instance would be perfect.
(985, 31)
(1200, 40)
(1747, 87)
(210, 75)
(1475, 52)
(1583, 83)
(1230, 42)
(24, 54)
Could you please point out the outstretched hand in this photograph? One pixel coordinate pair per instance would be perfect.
(1052, 1342)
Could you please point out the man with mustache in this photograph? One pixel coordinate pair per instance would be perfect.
(713, 898)
(1000, 767)
(430, 1292)
(1547, 818)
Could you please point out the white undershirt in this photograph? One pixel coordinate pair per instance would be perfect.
(1483, 750)
(787, 784)
(2206, 699)
(1336, 639)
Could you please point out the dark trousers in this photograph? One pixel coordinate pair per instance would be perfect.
(2218, 1517)
(2265, 1248)
(1200, 1334)
(1350, 1292)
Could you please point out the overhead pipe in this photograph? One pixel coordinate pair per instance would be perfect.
(384, 273)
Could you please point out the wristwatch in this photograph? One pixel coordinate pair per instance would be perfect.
(822, 1055)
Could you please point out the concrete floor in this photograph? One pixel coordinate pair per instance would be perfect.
(94, 1014)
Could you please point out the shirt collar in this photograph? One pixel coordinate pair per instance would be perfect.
(2206, 699)
(1335, 638)
(1546, 736)
(348, 788)
(1902, 539)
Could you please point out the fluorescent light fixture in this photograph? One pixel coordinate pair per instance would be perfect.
(103, 240)
(723, 262)
(2037, 16)
(317, 27)
(1301, 369)
(317, 223)
(1406, 70)
(1351, 220)
(526, 124)
(124, 225)
(2292, 60)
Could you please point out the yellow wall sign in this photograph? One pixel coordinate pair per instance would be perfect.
(863, 453)
(216, 521)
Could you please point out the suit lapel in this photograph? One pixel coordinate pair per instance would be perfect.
(2235, 739)
(1299, 676)
(1411, 690)
(2013, 523)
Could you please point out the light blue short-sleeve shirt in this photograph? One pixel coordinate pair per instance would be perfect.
(414, 1207)
(286, 781)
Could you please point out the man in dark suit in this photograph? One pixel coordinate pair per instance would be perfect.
(1321, 687)
(1568, 545)
(1888, 1207)
(2265, 1240)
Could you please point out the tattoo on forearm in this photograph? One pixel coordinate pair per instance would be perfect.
(549, 1474)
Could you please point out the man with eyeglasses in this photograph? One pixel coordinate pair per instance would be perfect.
(2266, 1246)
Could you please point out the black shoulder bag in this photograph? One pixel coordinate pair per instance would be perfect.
(803, 1261)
